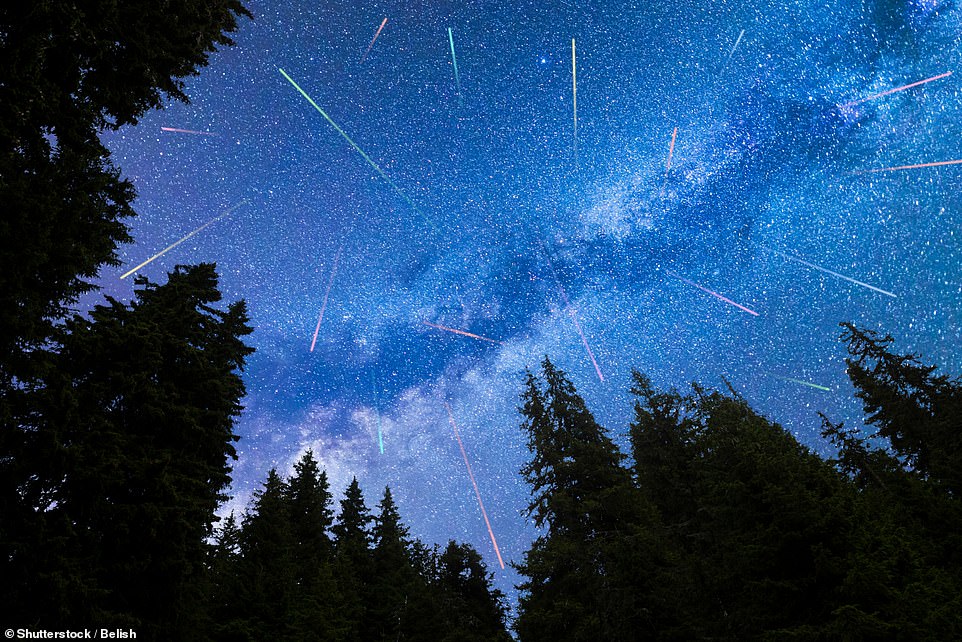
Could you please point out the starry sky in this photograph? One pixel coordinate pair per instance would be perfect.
(490, 212)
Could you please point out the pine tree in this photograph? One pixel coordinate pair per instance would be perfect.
(474, 610)
(588, 573)
(353, 564)
(904, 572)
(314, 613)
(394, 580)
(226, 560)
(919, 413)
(138, 434)
(267, 571)
(70, 70)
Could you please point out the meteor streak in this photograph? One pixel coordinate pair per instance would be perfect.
(804, 383)
(467, 334)
(457, 77)
(892, 91)
(574, 95)
(730, 53)
(827, 271)
(893, 169)
(187, 131)
(714, 294)
(671, 149)
(571, 313)
(475, 484)
(376, 34)
(591, 355)
(359, 150)
(327, 292)
(175, 244)
(377, 415)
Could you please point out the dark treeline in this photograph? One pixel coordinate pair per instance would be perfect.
(290, 571)
(721, 526)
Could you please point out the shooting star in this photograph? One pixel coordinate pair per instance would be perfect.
(377, 414)
(175, 244)
(467, 334)
(804, 383)
(892, 91)
(893, 169)
(732, 52)
(714, 294)
(457, 76)
(376, 34)
(187, 131)
(574, 96)
(591, 355)
(475, 484)
(671, 150)
(571, 313)
(327, 292)
(359, 150)
(827, 271)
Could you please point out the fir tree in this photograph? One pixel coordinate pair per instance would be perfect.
(139, 436)
(70, 70)
(267, 571)
(310, 503)
(474, 610)
(664, 446)
(352, 562)
(225, 568)
(314, 614)
(904, 573)
(917, 412)
(394, 581)
(588, 573)
(776, 517)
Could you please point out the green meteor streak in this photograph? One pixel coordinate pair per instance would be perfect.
(804, 383)
(457, 77)
(175, 244)
(359, 150)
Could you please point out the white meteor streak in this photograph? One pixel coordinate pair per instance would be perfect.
(176, 243)
(827, 271)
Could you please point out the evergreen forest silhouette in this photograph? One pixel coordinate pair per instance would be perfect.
(117, 439)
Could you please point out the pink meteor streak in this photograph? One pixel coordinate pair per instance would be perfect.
(892, 91)
(892, 169)
(467, 334)
(187, 131)
(671, 149)
(327, 292)
(484, 513)
(571, 312)
(591, 355)
(376, 34)
(714, 294)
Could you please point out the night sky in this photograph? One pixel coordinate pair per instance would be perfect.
(495, 219)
